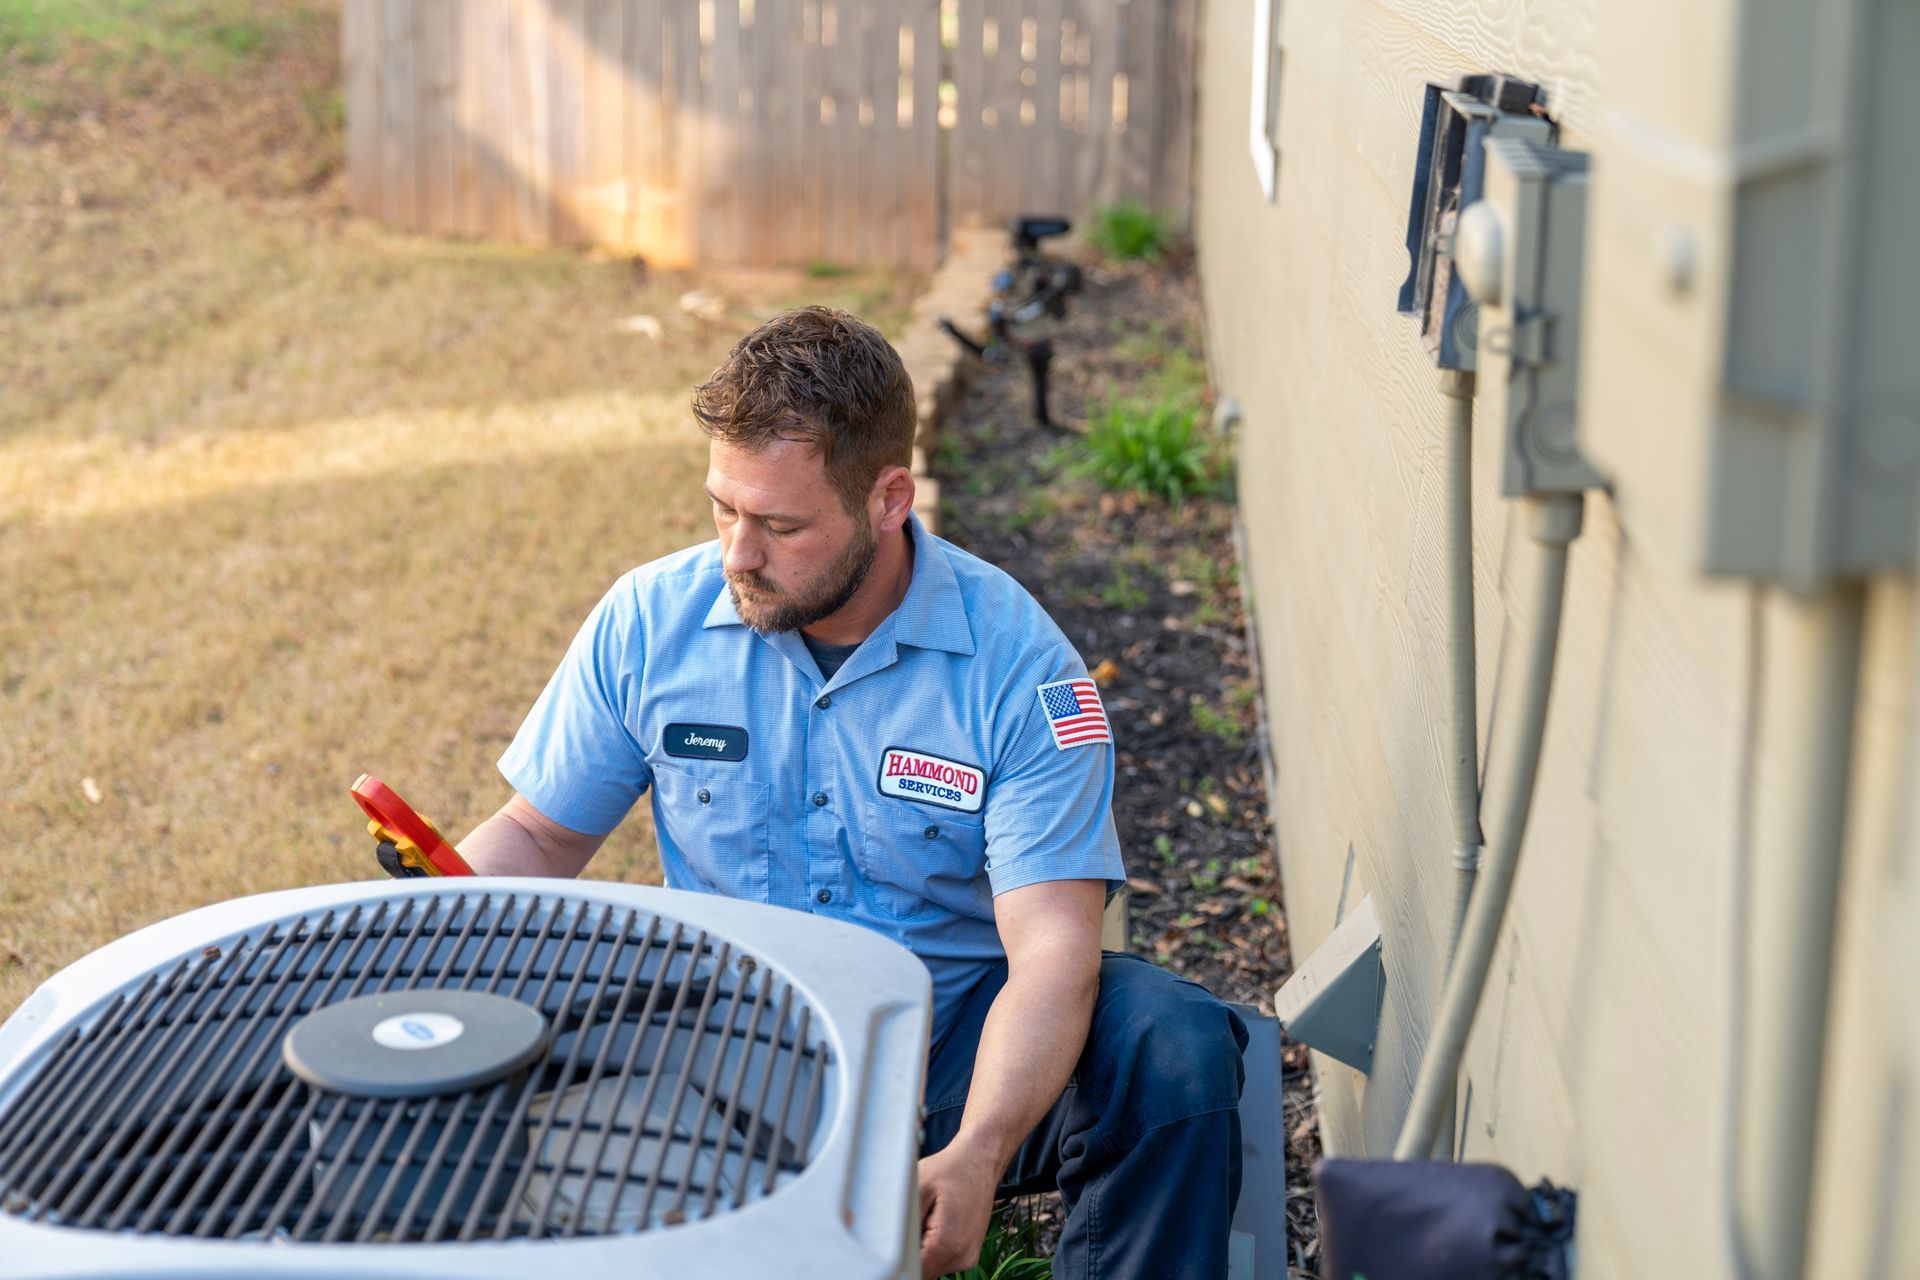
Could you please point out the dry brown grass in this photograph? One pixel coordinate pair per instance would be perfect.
(283, 497)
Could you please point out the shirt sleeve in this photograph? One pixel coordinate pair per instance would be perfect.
(1049, 810)
(574, 759)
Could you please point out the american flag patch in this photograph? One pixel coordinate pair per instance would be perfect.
(1074, 713)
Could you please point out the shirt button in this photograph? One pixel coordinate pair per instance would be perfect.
(706, 796)
(824, 896)
(819, 797)
(823, 701)
(932, 833)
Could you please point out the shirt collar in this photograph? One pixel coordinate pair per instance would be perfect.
(932, 616)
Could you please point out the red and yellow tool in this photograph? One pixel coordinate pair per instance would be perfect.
(409, 845)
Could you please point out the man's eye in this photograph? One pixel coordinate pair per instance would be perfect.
(778, 532)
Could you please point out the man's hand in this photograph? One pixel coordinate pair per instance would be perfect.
(956, 1204)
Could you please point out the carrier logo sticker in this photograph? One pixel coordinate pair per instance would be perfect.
(914, 775)
(705, 741)
(418, 1031)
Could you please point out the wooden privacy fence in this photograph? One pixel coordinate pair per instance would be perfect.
(762, 131)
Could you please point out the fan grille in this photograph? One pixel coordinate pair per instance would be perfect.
(681, 1081)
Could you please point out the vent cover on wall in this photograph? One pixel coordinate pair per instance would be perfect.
(609, 1075)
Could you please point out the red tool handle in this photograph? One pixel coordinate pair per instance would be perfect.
(383, 804)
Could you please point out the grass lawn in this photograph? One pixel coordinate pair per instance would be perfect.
(284, 496)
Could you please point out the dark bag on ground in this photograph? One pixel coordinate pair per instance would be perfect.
(1432, 1220)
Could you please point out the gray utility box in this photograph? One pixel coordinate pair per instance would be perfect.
(1519, 251)
(1751, 325)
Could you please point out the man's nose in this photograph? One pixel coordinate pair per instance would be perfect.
(743, 552)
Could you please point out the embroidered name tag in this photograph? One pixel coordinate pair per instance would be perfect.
(705, 741)
(913, 775)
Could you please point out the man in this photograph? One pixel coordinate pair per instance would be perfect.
(839, 713)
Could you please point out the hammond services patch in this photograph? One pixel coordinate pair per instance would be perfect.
(914, 775)
(1074, 713)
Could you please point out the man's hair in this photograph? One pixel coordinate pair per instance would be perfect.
(821, 376)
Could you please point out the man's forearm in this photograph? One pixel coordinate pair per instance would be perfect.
(1032, 1038)
(513, 844)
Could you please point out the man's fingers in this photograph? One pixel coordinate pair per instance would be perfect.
(938, 1252)
(939, 1258)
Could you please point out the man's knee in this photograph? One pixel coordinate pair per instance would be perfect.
(1175, 1047)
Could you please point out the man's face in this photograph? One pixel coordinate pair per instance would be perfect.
(792, 553)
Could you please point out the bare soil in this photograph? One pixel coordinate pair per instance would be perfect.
(1151, 595)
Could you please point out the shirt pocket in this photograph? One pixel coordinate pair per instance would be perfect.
(920, 858)
(714, 830)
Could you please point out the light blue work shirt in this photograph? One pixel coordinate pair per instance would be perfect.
(903, 794)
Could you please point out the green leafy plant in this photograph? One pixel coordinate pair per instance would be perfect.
(1038, 506)
(1173, 372)
(1122, 592)
(1010, 1251)
(1157, 449)
(1215, 723)
(1128, 229)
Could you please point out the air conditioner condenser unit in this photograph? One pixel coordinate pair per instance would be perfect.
(553, 1078)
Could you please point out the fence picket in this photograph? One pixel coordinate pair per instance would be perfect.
(605, 189)
(399, 156)
(761, 228)
(1043, 151)
(686, 130)
(360, 73)
(722, 160)
(965, 179)
(645, 149)
(434, 116)
(810, 143)
(920, 149)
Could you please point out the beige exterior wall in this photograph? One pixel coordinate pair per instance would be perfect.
(1598, 1056)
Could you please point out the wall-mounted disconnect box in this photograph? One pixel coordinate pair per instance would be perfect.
(1520, 253)
(1752, 339)
(1455, 125)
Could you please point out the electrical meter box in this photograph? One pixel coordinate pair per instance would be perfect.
(1455, 124)
(1519, 252)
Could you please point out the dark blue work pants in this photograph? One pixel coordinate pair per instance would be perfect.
(1144, 1143)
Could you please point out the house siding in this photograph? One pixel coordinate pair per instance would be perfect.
(1597, 1058)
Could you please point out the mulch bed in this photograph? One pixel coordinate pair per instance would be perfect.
(1151, 596)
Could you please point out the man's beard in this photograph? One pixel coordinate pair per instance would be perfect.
(821, 598)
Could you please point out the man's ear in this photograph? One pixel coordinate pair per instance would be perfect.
(892, 499)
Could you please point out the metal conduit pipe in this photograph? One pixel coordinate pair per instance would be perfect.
(1463, 746)
(1799, 832)
(1554, 522)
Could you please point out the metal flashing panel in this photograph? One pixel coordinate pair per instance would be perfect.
(1332, 1002)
